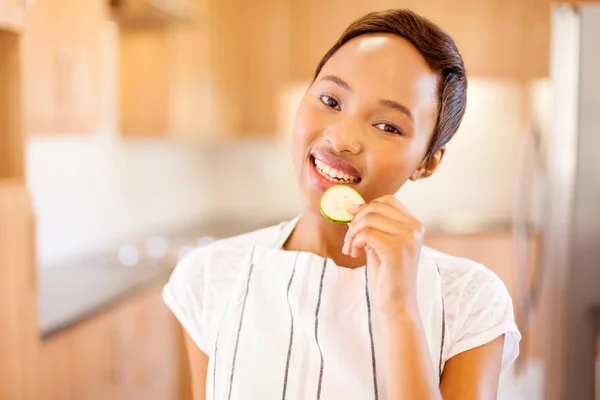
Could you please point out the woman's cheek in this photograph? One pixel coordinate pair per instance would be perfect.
(309, 123)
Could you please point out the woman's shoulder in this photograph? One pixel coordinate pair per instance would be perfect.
(223, 253)
(198, 287)
(462, 276)
(478, 306)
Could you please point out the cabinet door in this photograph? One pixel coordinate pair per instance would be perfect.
(56, 368)
(508, 39)
(18, 334)
(184, 81)
(150, 342)
(62, 66)
(144, 86)
(12, 13)
(97, 357)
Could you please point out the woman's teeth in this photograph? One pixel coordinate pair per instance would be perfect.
(332, 174)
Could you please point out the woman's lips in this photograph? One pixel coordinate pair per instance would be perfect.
(323, 181)
(335, 162)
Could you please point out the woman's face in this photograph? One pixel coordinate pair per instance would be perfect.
(368, 119)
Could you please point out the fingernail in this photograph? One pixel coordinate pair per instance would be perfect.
(353, 207)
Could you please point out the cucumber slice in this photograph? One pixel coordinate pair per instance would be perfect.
(335, 202)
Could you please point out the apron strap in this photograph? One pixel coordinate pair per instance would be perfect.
(285, 233)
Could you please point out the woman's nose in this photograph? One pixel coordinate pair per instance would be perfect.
(344, 138)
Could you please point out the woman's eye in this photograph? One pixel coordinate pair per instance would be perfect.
(388, 128)
(330, 102)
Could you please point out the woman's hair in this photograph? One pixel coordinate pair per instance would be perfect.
(440, 53)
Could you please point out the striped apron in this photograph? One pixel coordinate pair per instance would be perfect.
(299, 327)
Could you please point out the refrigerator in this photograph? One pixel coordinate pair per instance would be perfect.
(560, 177)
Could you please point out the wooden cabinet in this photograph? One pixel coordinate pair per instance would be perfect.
(11, 133)
(180, 82)
(144, 83)
(12, 14)
(150, 338)
(130, 352)
(212, 80)
(57, 368)
(508, 39)
(18, 335)
(62, 66)
(221, 77)
(97, 350)
(176, 82)
(84, 362)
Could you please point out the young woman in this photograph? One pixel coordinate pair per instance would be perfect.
(311, 309)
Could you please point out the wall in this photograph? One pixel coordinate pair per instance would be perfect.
(90, 193)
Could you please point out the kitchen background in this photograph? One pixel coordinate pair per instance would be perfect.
(149, 127)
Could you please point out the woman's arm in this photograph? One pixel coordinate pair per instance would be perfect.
(408, 363)
(472, 375)
(198, 368)
(392, 239)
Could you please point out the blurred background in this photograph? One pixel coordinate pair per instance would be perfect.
(132, 131)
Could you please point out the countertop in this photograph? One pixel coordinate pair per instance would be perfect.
(71, 293)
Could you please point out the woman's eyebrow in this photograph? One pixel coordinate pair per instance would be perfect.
(338, 81)
(397, 106)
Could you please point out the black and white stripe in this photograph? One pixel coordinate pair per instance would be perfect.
(443, 330)
(237, 341)
(376, 391)
(215, 367)
(317, 330)
(443, 337)
(289, 353)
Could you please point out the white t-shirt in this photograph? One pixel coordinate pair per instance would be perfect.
(290, 325)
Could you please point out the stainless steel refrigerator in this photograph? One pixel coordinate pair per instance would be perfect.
(564, 162)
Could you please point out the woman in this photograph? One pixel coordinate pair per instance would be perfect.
(310, 309)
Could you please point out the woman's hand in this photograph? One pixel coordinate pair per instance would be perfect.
(392, 238)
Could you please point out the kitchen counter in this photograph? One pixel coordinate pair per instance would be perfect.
(71, 293)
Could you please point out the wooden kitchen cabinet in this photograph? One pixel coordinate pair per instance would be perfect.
(221, 77)
(183, 81)
(129, 352)
(18, 335)
(213, 80)
(12, 163)
(504, 39)
(97, 350)
(12, 14)
(57, 368)
(84, 362)
(150, 338)
(62, 66)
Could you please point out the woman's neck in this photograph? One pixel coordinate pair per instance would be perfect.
(315, 234)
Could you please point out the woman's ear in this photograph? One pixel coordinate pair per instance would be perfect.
(428, 165)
